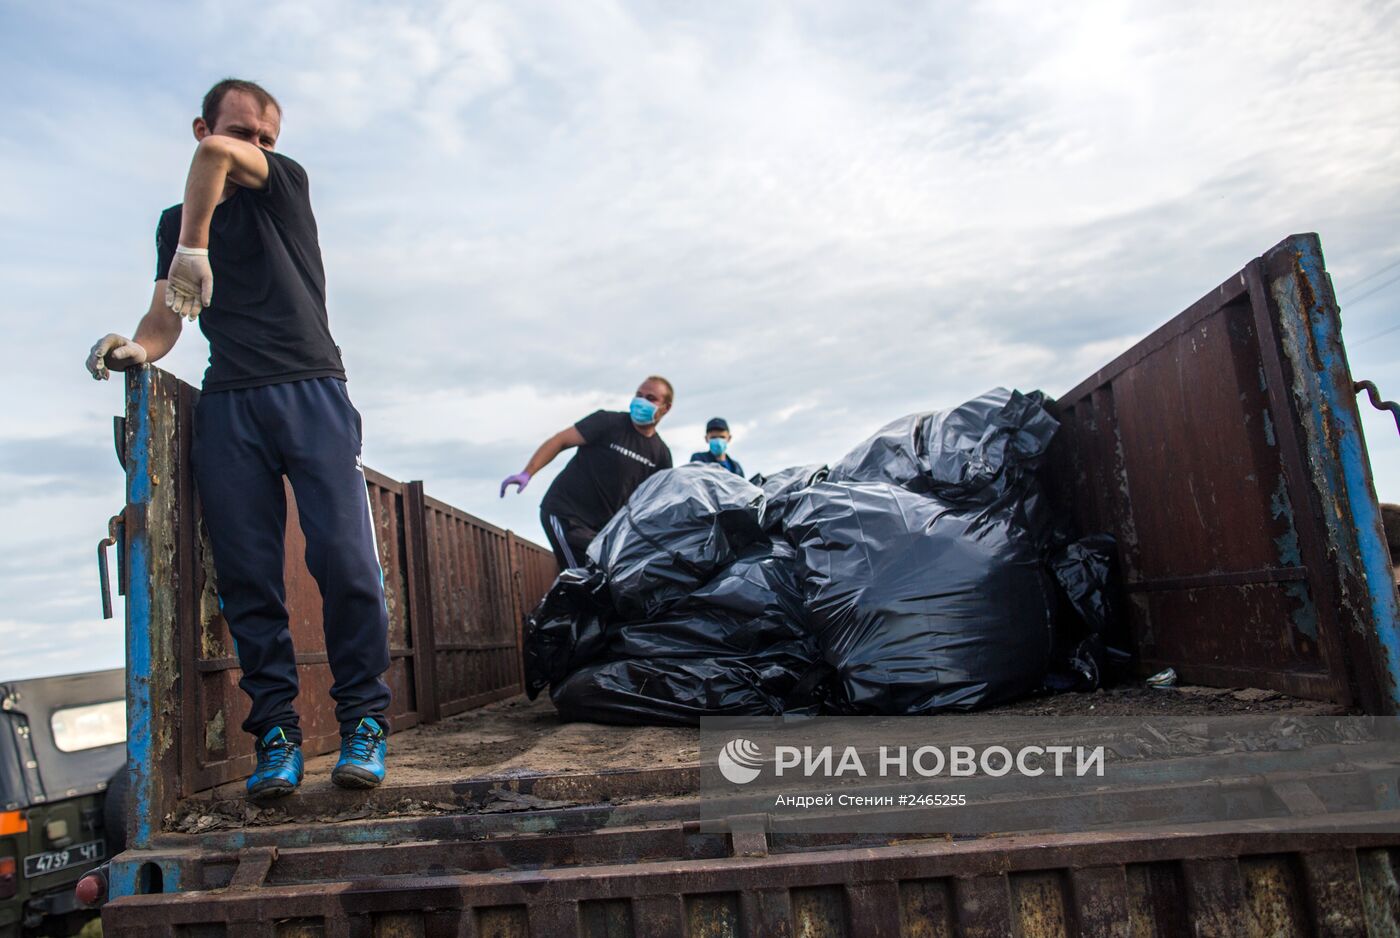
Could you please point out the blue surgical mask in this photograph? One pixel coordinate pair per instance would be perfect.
(718, 445)
(643, 411)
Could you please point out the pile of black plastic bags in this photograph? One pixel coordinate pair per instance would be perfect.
(924, 572)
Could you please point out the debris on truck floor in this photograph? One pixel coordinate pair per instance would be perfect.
(924, 572)
(514, 741)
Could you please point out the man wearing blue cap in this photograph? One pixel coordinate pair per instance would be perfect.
(717, 447)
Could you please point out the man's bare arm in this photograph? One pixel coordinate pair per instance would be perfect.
(564, 439)
(218, 160)
(550, 448)
(156, 335)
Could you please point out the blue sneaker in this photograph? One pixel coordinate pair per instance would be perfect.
(362, 752)
(279, 766)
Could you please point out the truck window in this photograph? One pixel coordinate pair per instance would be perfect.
(89, 727)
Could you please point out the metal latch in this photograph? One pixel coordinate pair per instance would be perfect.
(1375, 395)
(116, 536)
(254, 863)
(748, 835)
(119, 440)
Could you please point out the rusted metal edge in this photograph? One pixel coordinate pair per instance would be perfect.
(1206, 580)
(1276, 356)
(388, 483)
(1338, 474)
(899, 860)
(420, 602)
(1228, 292)
(458, 514)
(302, 657)
(152, 616)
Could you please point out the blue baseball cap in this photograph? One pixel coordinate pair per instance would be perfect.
(717, 423)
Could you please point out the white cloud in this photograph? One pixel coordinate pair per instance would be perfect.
(812, 218)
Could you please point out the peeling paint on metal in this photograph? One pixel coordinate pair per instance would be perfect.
(1304, 614)
(214, 733)
(1120, 472)
(1338, 463)
(1289, 553)
(138, 610)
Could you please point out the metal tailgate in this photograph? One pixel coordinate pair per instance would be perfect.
(1225, 453)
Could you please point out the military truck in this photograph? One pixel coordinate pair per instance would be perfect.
(62, 749)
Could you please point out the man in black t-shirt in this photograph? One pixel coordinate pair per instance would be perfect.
(617, 451)
(241, 255)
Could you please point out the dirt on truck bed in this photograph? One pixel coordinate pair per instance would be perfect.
(516, 755)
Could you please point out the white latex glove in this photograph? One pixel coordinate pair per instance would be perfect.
(190, 283)
(121, 352)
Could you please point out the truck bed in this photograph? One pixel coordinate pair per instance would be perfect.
(516, 755)
(1224, 452)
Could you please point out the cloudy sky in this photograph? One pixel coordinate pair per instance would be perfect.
(813, 217)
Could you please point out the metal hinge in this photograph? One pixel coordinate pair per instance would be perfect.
(29, 762)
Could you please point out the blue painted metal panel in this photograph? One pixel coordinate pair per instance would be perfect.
(138, 609)
(1343, 466)
(139, 705)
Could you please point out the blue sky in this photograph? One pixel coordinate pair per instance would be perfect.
(812, 217)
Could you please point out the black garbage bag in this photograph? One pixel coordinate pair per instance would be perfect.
(897, 454)
(676, 531)
(736, 646)
(976, 453)
(988, 447)
(921, 606)
(1084, 571)
(762, 582)
(680, 691)
(781, 490)
(568, 628)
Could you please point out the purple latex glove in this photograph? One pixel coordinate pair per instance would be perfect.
(521, 479)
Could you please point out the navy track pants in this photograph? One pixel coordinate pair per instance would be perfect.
(569, 539)
(244, 442)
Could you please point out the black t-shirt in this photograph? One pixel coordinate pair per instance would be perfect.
(267, 323)
(613, 460)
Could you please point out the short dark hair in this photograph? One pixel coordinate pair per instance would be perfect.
(214, 99)
(670, 391)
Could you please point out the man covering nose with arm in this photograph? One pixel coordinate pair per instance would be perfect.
(241, 254)
(617, 451)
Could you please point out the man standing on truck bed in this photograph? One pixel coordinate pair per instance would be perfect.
(617, 451)
(242, 250)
